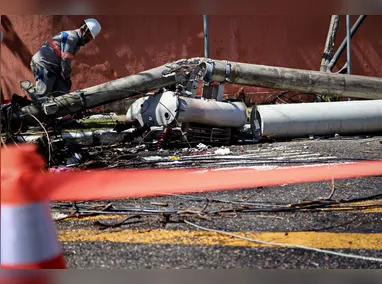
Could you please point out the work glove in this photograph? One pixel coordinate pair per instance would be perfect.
(68, 83)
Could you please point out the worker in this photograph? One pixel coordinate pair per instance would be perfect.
(51, 65)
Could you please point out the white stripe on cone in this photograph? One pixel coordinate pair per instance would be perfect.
(28, 234)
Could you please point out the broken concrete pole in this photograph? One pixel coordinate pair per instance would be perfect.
(107, 92)
(182, 71)
(298, 80)
(132, 85)
(214, 113)
(164, 108)
(303, 120)
(329, 44)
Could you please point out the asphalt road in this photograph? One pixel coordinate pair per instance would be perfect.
(166, 241)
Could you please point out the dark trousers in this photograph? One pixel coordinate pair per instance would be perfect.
(47, 83)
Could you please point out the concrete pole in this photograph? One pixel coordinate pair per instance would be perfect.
(164, 108)
(329, 49)
(329, 44)
(129, 86)
(305, 81)
(302, 120)
(210, 112)
(105, 93)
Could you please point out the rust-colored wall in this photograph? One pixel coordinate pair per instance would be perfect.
(130, 44)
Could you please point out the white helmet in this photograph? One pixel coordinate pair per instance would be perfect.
(94, 27)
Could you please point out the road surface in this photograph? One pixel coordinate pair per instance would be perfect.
(345, 236)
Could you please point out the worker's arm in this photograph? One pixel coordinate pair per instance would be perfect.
(68, 48)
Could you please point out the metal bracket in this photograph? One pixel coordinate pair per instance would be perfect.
(82, 96)
(228, 68)
(49, 108)
(208, 72)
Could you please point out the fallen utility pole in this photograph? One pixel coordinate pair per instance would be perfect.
(187, 73)
(299, 80)
(163, 109)
(101, 94)
(303, 120)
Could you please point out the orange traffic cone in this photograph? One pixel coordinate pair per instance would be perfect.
(28, 234)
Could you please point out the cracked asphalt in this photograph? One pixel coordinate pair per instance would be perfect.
(163, 241)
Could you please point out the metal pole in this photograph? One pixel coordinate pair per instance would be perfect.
(344, 42)
(206, 37)
(348, 41)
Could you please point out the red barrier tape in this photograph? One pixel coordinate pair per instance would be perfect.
(117, 184)
(141, 183)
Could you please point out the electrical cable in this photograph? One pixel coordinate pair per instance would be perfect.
(285, 245)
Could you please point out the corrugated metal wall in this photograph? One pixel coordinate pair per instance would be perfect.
(130, 44)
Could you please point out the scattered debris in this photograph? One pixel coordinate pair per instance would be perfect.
(103, 116)
(75, 160)
(222, 151)
(202, 146)
(123, 221)
(214, 207)
(174, 158)
(57, 216)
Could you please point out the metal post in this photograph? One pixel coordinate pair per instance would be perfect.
(206, 37)
(344, 42)
(348, 41)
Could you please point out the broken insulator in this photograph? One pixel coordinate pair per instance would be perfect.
(163, 138)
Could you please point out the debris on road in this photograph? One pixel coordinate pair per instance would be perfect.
(75, 160)
(193, 205)
(169, 100)
(222, 151)
(103, 116)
